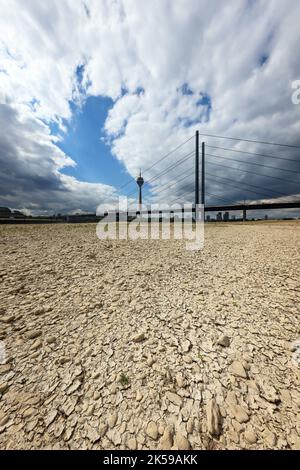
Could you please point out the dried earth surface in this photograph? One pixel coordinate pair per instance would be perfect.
(144, 345)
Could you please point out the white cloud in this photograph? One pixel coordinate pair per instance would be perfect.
(30, 167)
(215, 47)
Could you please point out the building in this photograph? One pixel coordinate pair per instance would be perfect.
(81, 218)
(5, 213)
(226, 217)
(219, 216)
(208, 218)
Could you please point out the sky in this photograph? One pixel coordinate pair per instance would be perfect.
(93, 91)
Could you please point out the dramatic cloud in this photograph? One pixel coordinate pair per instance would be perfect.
(30, 168)
(170, 67)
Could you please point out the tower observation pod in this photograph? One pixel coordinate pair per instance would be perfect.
(140, 182)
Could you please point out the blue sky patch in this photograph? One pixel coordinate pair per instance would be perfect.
(263, 59)
(84, 145)
(186, 90)
(206, 107)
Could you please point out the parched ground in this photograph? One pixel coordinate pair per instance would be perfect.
(145, 345)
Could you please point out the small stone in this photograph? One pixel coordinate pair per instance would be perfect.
(174, 398)
(132, 444)
(50, 417)
(4, 368)
(166, 441)
(269, 393)
(4, 420)
(250, 436)
(239, 413)
(139, 396)
(161, 427)
(179, 380)
(37, 345)
(59, 429)
(190, 426)
(115, 437)
(152, 430)
(186, 346)
(4, 387)
(213, 418)
(97, 395)
(103, 427)
(75, 386)
(33, 334)
(122, 428)
(31, 425)
(68, 434)
(90, 410)
(78, 371)
(93, 435)
(63, 360)
(39, 311)
(150, 361)
(269, 438)
(69, 405)
(139, 338)
(112, 419)
(237, 369)
(187, 359)
(233, 436)
(29, 412)
(237, 426)
(224, 341)
(51, 339)
(181, 442)
(7, 319)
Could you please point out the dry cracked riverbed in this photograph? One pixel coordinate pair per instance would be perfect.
(143, 345)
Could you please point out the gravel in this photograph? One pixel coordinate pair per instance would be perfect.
(144, 345)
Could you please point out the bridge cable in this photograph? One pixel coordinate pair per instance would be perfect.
(249, 140)
(254, 153)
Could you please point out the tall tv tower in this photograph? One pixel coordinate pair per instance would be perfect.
(140, 182)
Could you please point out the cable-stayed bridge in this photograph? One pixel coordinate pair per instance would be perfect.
(240, 175)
